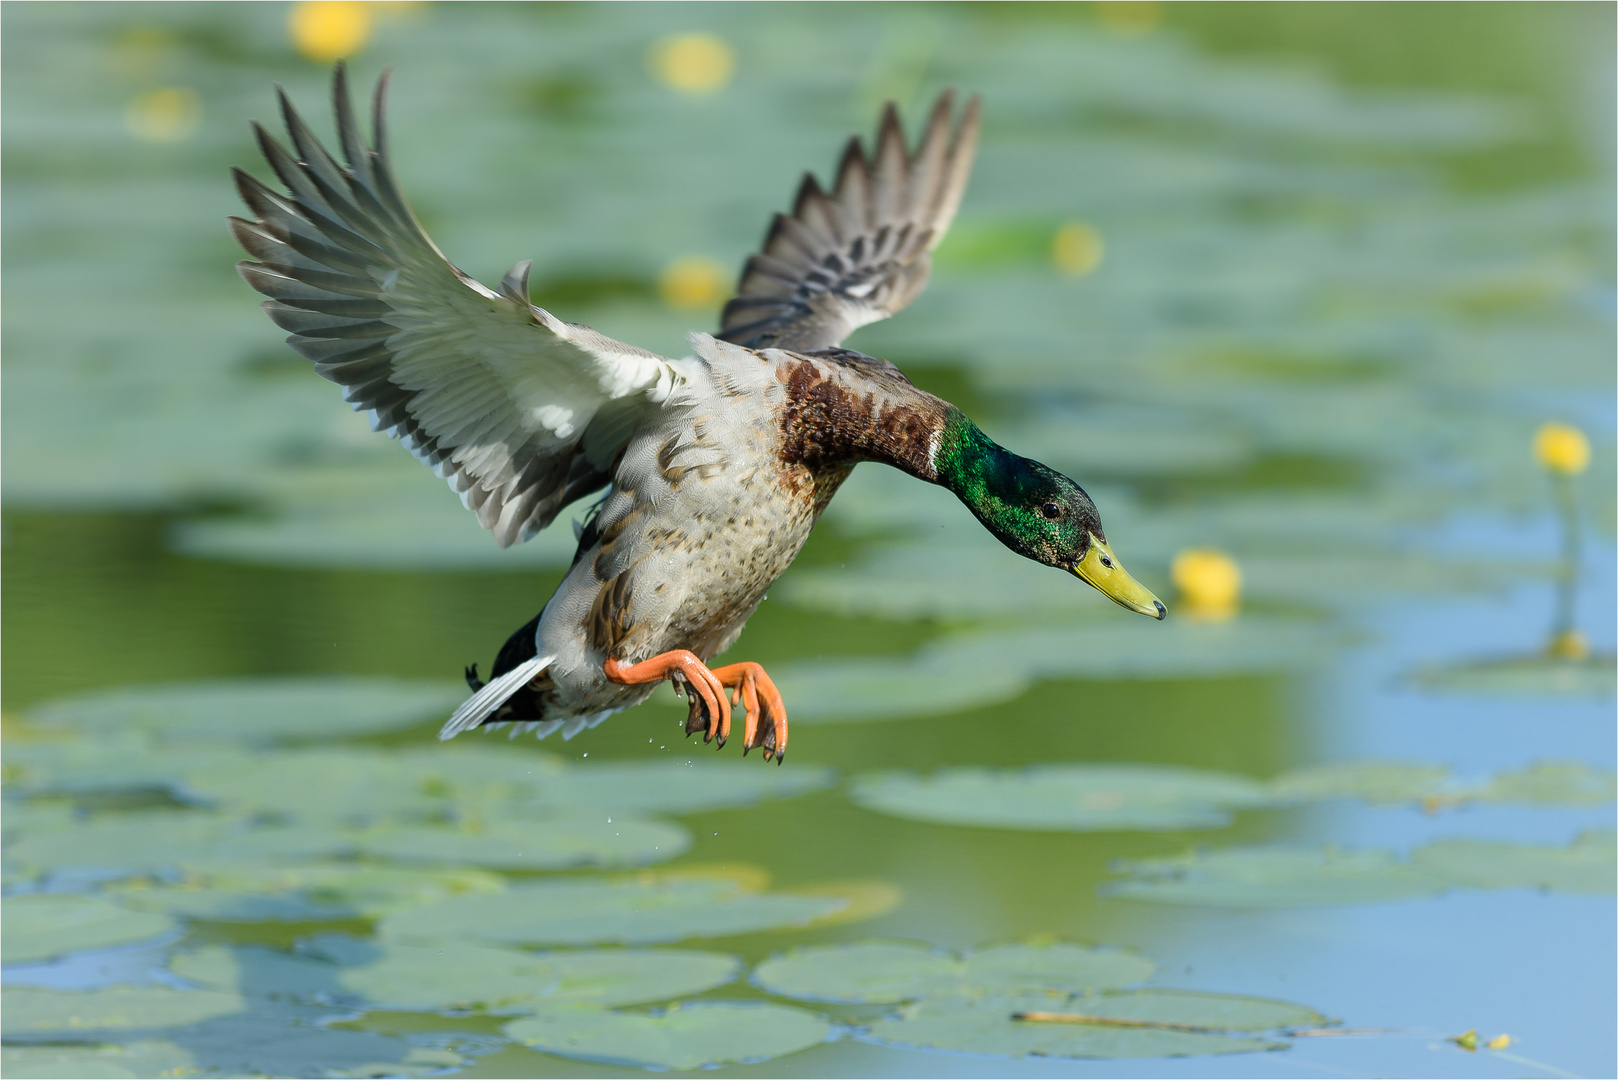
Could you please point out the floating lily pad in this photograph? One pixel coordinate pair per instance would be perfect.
(482, 784)
(1551, 783)
(410, 976)
(984, 1025)
(382, 517)
(114, 761)
(883, 972)
(270, 1040)
(28, 1011)
(1373, 781)
(556, 844)
(253, 710)
(675, 787)
(583, 912)
(1279, 877)
(343, 786)
(693, 1036)
(140, 1059)
(1589, 866)
(256, 971)
(1002, 664)
(155, 842)
(40, 926)
(1086, 798)
(300, 893)
(455, 976)
(1530, 675)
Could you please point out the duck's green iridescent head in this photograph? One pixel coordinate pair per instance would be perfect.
(1035, 511)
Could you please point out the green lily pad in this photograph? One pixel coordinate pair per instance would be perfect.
(483, 784)
(1589, 866)
(414, 976)
(29, 1011)
(859, 688)
(1086, 798)
(256, 971)
(1278, 877)
(1004, 663)
(455, 975)
(391, 515)
(556, 844)
(674, 787)
(693, 1036)
(249, 892)
(44, 925)
(1551, 783)
(1373, 781)
(115, 761)
(158, 841)
(140, 1059)
(584, 912)
(984, 1025)
(343, 786)
(1529, 675)
(884, 972)
(253, 710)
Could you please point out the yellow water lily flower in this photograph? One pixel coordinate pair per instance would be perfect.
(1209, 581)
(1561, 448)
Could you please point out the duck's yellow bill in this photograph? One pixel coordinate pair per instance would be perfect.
(1100, 568)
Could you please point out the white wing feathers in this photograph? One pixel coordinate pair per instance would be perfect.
(520, 411)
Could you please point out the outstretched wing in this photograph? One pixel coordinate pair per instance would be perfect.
(520, 411)
(862, 252)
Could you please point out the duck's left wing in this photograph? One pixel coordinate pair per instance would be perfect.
(863, 251)
(520, 411)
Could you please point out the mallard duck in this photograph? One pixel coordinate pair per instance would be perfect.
(715, 466)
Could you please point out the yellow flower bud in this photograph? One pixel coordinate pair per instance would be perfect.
(167, 115)
(1569, 645)
(1499, 1042)
(1077, 248)
(327, 30)
(692, 63)
(1209, 581)
(693, 282)
(1561, 448)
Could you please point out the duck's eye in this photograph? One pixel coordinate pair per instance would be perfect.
(1051, 510)
(1106, 562)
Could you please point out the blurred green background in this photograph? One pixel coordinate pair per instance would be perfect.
(1295, 284)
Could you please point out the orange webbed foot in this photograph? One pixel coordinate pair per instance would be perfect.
(681, 665)
(755, 691)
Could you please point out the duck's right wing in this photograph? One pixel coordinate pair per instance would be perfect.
(862, 252)
(520, 411)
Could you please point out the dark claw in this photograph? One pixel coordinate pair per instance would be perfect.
(472, 679)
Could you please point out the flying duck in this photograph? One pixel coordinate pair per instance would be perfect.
(714, 466)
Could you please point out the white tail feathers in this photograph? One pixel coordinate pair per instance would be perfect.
(475, 709)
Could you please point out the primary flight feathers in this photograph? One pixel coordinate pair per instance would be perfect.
(862, 252)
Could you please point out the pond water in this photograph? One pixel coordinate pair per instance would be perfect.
(1296, 283)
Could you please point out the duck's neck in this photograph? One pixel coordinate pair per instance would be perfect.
(980, 471)
(841, 412)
